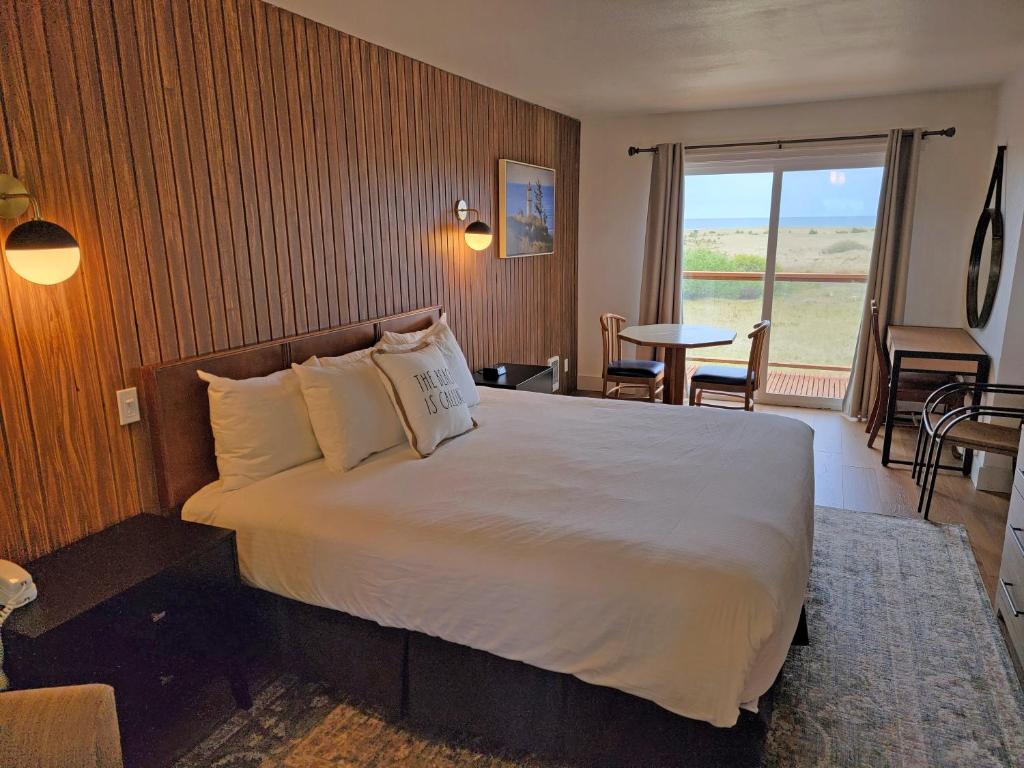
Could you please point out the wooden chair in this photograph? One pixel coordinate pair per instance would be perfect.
(731, 380)
(619, 373)
(958, 426)
(913, 387)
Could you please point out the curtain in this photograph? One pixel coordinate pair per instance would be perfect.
(890, 258)
(661, 299)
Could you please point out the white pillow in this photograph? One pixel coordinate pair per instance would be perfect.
(260, 426)
(442, 334)
(351, 412)
(425, 394)
(351, 357)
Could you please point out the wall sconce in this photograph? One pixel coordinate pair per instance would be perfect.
(37, 250)
(478, 235)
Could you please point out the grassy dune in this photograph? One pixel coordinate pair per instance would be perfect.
(812, 322)
(800, 249)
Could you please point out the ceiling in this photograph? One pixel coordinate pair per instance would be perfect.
(640, 56)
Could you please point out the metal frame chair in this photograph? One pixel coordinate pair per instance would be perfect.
(935, 431)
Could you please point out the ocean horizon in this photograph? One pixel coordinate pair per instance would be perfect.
(785, 221)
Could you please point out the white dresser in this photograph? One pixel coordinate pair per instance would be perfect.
(1010, 589)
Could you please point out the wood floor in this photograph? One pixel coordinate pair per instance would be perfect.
(848, 474)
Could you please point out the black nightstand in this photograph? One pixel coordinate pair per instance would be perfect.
(147, 606)
(530, 378)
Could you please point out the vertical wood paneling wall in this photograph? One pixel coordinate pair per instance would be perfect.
(235, 173)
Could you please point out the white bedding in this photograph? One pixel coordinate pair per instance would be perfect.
(660, 550)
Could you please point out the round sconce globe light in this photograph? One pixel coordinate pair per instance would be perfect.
(42, 252)
(478, 236)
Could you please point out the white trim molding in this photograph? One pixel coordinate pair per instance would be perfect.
(992, 473)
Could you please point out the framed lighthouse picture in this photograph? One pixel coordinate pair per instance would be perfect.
(526, 200)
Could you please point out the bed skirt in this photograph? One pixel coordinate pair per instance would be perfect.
(442, 687)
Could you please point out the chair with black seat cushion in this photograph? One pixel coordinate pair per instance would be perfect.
(731, 380)
(618, 373)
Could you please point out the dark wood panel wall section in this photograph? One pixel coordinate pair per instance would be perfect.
(235, 173)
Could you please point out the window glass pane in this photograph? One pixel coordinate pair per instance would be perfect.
(826, 232)
(815, 323)
(725, 229)
(727, 304)
(827, 220)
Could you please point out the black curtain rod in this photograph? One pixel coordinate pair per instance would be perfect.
(949, 132)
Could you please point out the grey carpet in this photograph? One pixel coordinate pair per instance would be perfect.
(906, 667)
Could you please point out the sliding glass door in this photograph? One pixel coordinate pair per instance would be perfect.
(790, 244)
(826, 230)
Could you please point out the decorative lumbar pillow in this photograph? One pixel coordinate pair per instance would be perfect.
(425, 394)
(260, 426)
(352, 415)
(442, 335)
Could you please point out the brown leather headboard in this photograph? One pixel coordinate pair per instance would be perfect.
(178, 411)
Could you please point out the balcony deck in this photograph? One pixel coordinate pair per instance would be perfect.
(827, 384)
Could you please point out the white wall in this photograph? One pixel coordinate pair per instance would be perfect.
(951, 187)
(1003, 336)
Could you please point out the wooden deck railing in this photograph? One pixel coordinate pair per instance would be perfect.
(782, 277)
(776, 363)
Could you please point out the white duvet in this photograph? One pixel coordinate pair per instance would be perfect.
(660, 550)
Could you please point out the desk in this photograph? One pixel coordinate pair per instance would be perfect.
(675, 339)
(923, 348)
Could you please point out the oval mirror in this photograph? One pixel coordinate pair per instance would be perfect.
(985, 265)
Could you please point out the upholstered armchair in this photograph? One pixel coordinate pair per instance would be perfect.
(73, 727)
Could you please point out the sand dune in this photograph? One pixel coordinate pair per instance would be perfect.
(800, 249)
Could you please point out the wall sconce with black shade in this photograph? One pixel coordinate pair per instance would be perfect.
(37, 250)
(478, 235)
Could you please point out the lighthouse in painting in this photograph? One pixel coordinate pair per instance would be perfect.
(528, 210)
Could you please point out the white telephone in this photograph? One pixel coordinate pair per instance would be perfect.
(16, 589)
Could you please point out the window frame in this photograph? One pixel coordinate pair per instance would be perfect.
(860, 154)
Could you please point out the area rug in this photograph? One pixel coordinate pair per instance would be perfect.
(906, 667)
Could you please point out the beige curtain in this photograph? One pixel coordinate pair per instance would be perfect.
(661, 298)
(890, 258)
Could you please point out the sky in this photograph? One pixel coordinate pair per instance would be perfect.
(846, 192)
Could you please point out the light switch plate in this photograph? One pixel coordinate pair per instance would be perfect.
(555, 370)
(128, 406)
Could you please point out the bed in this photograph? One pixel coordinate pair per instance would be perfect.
(659, 555)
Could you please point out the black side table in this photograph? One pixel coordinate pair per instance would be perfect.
(147, 606)
(529, 378)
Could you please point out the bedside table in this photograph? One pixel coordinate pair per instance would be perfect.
(147, 606)
(529, 378)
